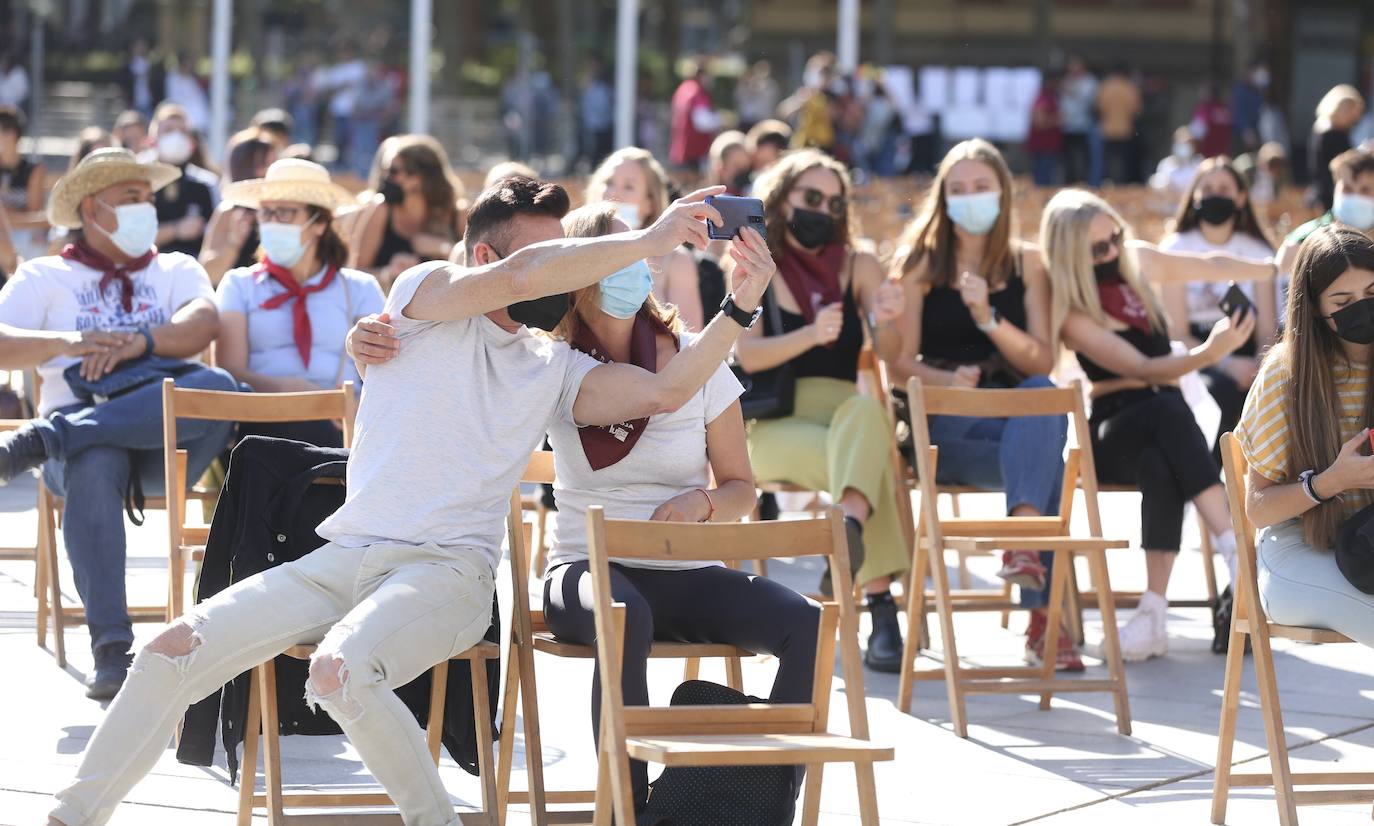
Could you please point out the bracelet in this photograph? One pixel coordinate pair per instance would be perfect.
(993, 321)
(709, 503)
(1306, 479)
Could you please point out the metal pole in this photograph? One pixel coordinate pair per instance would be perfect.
(626, 49)
(421, 29)
(847, 47)
(221, 36)
(40, 29)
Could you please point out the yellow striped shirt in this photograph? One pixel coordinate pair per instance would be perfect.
(1263, 428)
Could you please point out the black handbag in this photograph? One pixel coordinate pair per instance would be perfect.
(768, 394)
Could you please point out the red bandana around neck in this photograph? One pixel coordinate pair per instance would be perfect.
(297, 292)
(1121, 303)
(82, 253)
(813, 278)
(604, 446)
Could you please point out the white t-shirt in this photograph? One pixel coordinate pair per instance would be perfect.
(1204, 296)
(445, 429)
(668, 459)
(54, 294)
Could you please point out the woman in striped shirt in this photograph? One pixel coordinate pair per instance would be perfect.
(1302, 437)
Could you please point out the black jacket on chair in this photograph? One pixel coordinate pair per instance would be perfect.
(267, 515)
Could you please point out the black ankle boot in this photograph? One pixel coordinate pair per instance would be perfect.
(20, 450)
(884, 652)
(112, 663)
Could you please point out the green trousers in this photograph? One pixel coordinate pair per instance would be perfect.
(837, 440)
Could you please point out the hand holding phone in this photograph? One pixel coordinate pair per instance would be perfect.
(1235, 299)
(738, 213)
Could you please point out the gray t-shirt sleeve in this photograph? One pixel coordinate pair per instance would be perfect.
(576, 366)
(721, 391)
(402, 291)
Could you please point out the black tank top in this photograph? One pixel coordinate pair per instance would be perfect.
(1151, 345)
(841, 359)
(948, 333)
(14, 185)
(393, 244)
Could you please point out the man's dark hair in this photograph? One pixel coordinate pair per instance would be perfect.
(489, 219)
(12, 120)
(1351, 164)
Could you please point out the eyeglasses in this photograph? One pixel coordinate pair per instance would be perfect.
(278, 215)
(837, 205)
(1101, 248)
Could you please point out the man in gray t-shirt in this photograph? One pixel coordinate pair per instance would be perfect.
(443, 433)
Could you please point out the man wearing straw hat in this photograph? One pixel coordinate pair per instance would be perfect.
(109, 303)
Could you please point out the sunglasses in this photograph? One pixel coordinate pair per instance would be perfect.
(836, 205)
(1101, 248)
(278, 215)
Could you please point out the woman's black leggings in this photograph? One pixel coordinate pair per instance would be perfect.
(700, 605)
(1149, 438)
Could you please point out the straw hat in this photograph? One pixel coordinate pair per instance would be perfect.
(290, 179)
(101, 170)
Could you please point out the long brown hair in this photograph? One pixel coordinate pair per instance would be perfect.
(778, 181)
(425, 158)
(1246, 221)
(1309, 349)
(593, 221)
(930, 238)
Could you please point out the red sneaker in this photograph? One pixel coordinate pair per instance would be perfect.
(1066, 656)
(1023, 569)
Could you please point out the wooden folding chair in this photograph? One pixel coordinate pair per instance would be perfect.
(1032, 533)
(529, 633)
(745, 735)
(1248, 621)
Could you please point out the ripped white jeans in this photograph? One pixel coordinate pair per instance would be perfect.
(388, 612)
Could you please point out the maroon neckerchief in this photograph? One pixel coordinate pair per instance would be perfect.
(1123, 304)
(82, 253)
(295, 291)
(813, 278)
(604, 446)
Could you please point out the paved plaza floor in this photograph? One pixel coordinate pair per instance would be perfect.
(1019, 764)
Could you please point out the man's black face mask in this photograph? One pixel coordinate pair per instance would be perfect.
(539, 313)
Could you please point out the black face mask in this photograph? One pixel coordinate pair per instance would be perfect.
(392, 192)
(1355, 322)
(740, 183)
(812, 230)
(539, 313)
(1216, 209)
(1108, 270)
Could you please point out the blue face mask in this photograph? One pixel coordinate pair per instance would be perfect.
(975, 214)
(1354, 210)
(283, 242)
(623, 292)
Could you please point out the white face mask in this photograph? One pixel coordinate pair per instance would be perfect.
(135, 228)
(284, 243)
(1354, 210)
(1183, 151)
(174, 148)
(628, 214)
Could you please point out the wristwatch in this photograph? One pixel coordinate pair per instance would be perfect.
(993, 321)
(743, 318)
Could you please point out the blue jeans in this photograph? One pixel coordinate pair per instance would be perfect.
(1023, 456)
(1045, 168)
(92, 452)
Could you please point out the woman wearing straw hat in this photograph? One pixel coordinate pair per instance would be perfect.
(283, 321)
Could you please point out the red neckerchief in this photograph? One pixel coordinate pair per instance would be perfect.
(1121, 303)
(295, 291)
(604, 446)
(82, 253)
(812, 278)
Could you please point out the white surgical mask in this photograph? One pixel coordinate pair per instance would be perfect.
(628, 214)
(174, 148)
(1354, 210)
(1183, 150)
(135, 228)
(975, 213)
(623, 292)
(283, 243)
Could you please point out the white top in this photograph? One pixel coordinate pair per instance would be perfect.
(669, 459)
(445, 429)
(271, 333)
(1204, 296)
(54, 294)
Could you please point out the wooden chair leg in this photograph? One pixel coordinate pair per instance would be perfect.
(953, 679)
(868, 794)
(915, 599)
(505, 755)
(1111, 647)
(734, 673)
(1226, 735)
(176, 581)
(40, 574)
(271, 742)
(434, 726)
(1006, 597)
(1073, 605)
(965, 581)
(1272, 713)
(248, 766)
(811, 797)
(59, 619)
(481, 710)
(1209, 570)
(534, 748)
(691, 670)
(1056, 610)
(761, 567)
(601, 815)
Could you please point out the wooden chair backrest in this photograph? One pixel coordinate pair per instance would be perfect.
(634, 539)
(1235, 469)
(539, 471)
(1079, 468)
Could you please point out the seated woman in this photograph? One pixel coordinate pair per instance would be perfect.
(636, 182)
(420, 216)
(1143, 432)
(283, 321)
(836, 439)
(1217, 215)
(231, 237)
(1303, 439)
(978, 315)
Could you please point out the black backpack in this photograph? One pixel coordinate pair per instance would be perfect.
(721, 795)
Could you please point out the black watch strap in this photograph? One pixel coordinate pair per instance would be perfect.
(741, 317)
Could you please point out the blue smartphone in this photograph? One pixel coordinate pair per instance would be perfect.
(738, 213)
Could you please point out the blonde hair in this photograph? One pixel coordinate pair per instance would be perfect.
(776, 183)
(655, 178)
(1332, 101)
(1066, 248)
(930, 237)
(724, 142)
(593, 221)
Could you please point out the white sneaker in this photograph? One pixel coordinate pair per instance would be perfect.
(1144, 635)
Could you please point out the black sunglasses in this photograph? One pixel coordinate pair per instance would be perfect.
(836, 205)
(1101, 248)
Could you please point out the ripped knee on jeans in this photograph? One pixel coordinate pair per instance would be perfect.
(178, 642)
(328, 687)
